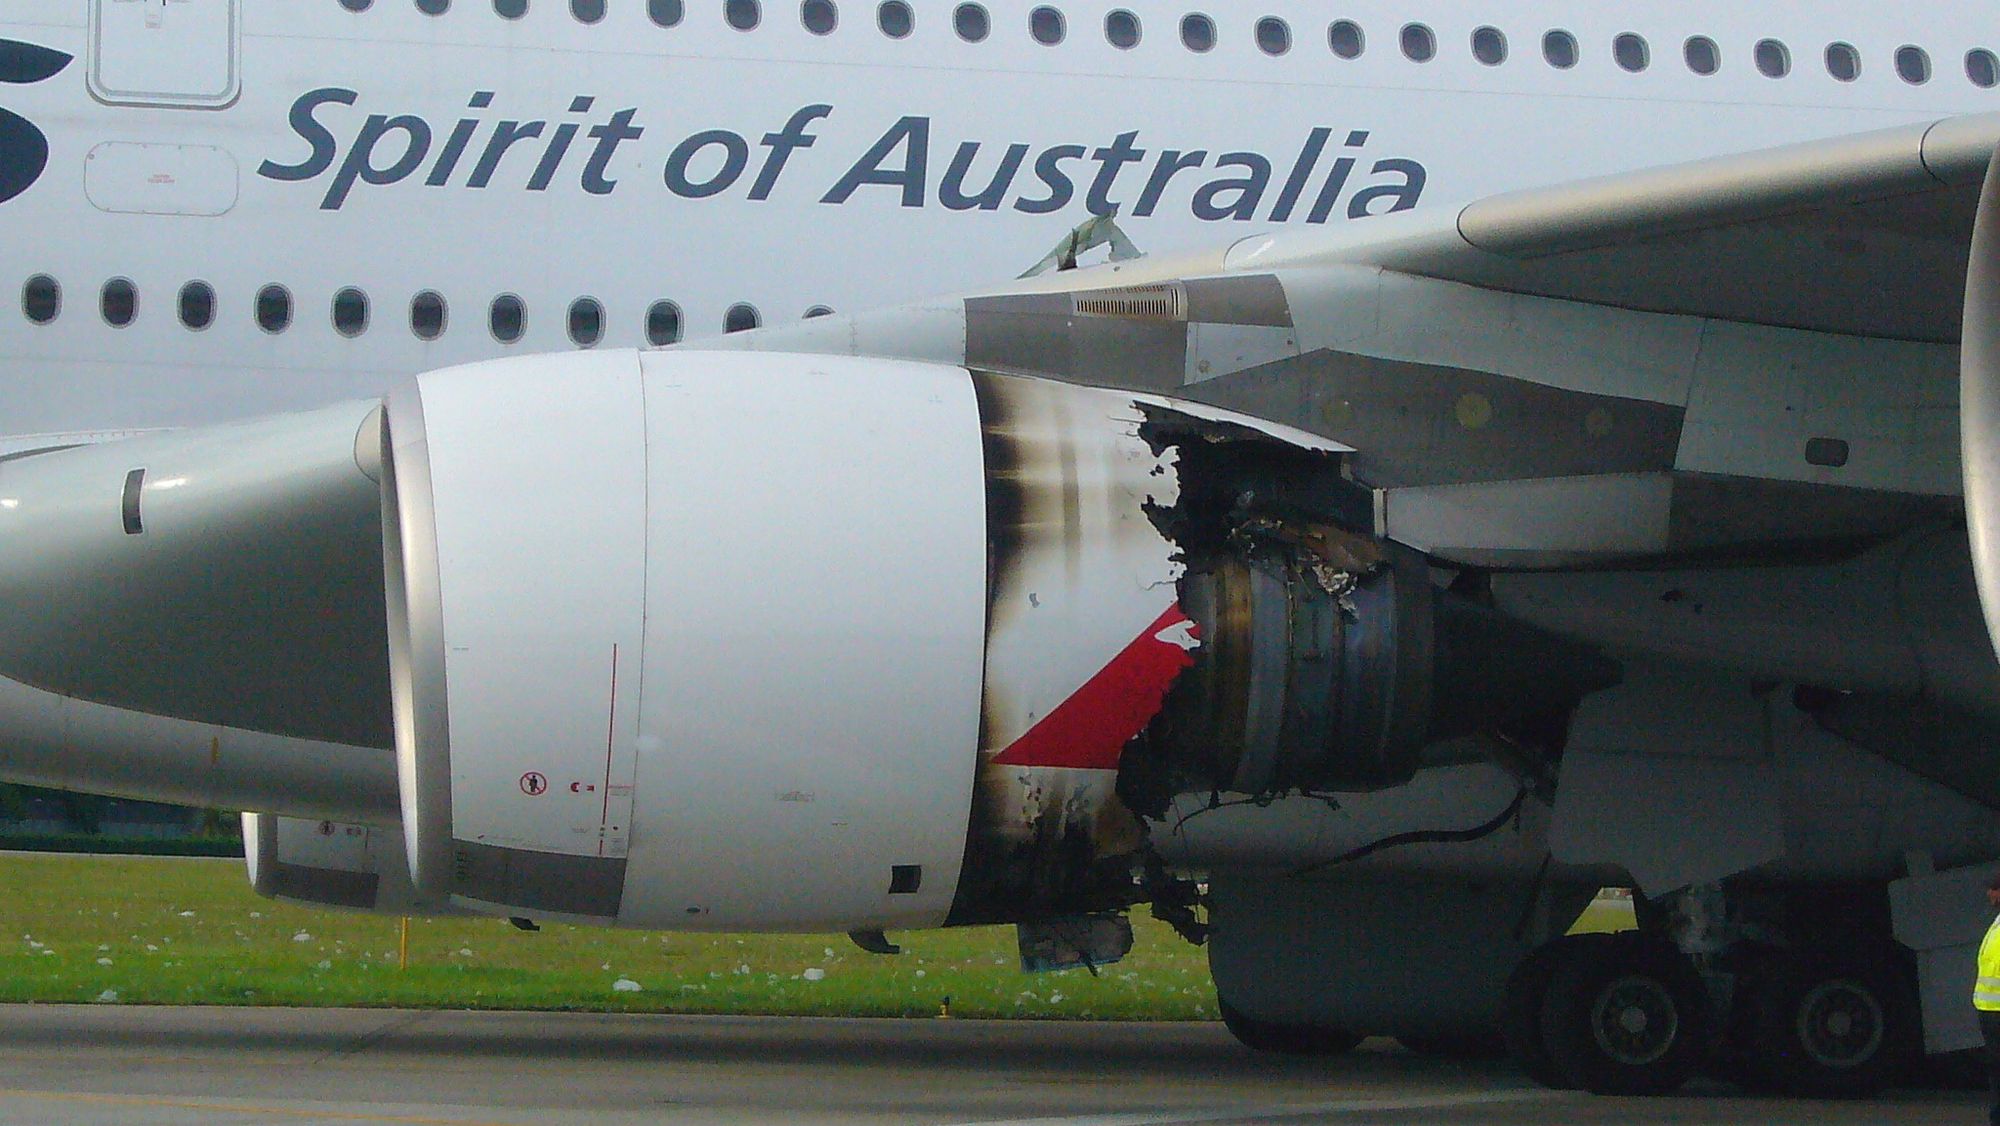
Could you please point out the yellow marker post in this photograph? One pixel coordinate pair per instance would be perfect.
(403, 945)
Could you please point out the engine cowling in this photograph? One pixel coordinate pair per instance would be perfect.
(757, 641)
(333, 864)
(687, 641)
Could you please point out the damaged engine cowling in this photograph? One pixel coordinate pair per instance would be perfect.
(687, 640)
(757, 641)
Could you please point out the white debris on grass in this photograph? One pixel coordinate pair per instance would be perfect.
(465, 951)
(626, 985)
(108, 997)
(302, 937)
(323, 964)
(187, 914)
(152, 949)
(104, 961)
(828, 951)
(815, 974)
(1056, 997)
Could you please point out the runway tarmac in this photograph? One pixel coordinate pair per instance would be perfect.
(127, 1065)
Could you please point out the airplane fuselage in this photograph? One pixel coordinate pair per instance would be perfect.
(625, 183)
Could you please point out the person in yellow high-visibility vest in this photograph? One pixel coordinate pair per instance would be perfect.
(1986, 999)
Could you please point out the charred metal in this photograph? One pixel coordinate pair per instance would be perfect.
(1329, 659)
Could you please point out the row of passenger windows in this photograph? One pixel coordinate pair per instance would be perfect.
(1345, 38)
(506, 315)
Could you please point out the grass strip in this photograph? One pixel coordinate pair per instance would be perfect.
(191, 932)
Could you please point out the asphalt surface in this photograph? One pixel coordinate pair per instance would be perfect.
(127, 1065)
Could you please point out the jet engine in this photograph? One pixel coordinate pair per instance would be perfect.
(747, 641)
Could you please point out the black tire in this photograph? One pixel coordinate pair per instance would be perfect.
(1521, 1008)
(1626, 1018)
(1286, 1038)
(1831, 1028)
(1456, 1046)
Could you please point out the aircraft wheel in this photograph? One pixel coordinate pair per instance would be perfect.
(1628, 1017)
(1286, 1038)
(1829, 1028)
(1521, 1007)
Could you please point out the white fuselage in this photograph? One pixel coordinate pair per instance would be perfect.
(473, 156)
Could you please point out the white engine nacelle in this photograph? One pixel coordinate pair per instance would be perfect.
(653, 661)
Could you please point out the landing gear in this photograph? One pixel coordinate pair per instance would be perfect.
(1286, 1038)
(1613, 1014)
(1828, 1027)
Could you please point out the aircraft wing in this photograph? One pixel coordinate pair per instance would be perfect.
(1740, 355)
(1864, 235)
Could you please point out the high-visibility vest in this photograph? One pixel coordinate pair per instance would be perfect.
(1986, 991)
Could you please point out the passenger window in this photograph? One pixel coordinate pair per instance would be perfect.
(1343, 38)
(819, 16)
(41, 299)
(663, 324)
(1197, 32)
(971, 22)
(1420, 43)
(1631, 51)
(197, 305)
(587, 11)
(896, 19)
(1703, 56)
(1559, 48)
(350, 312)
(1489, 46)
(274, 309)
(119, 302)
(1913, 64)
(1274, 36)
(427, 315)
(510, 9)
(1843, 61)
(433, 7)
(741, 318)
(586, 322)
(1774, 59)
(1045, 25)
(1121, 29)
(508, 318)
(1982, 68)
(665, 13)
(743, 15)
(819, 311)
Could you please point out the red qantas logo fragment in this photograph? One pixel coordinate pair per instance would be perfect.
(1090, 729)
